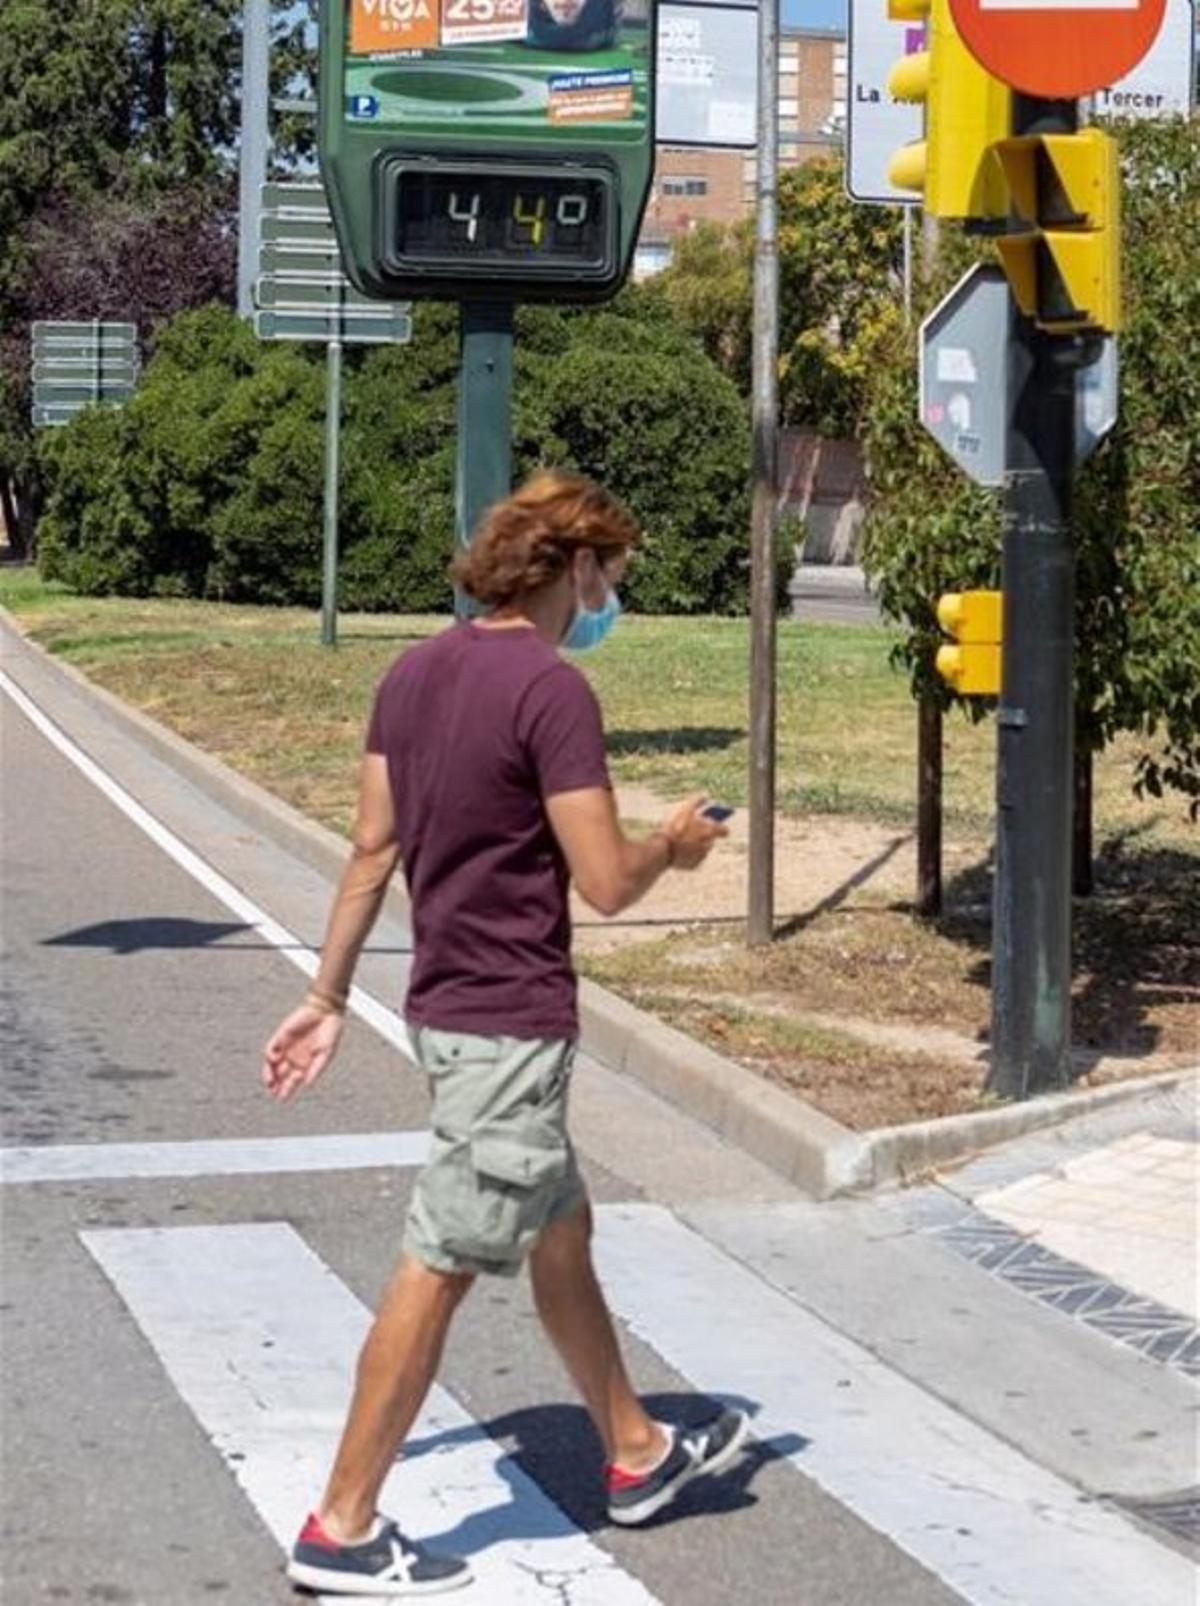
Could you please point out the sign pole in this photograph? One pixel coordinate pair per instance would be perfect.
(485, 392)
(333, 424)
(760, 922)
(254, 137)
(1031, 945)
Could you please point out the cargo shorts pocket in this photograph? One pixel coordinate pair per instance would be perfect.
(507, 1197)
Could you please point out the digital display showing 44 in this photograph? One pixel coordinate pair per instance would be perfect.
(502, 221)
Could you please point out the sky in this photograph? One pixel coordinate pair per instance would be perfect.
(815, 13)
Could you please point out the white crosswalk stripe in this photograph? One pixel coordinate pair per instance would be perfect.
(987, 1520)
(225, 1157)
(259, 1338)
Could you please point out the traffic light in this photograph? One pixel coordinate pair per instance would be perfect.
(975, 620)
(967, 112)
(1064, 268)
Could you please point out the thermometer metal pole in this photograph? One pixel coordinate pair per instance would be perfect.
(485, 394)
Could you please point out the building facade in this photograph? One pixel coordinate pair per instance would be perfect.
(694, 185)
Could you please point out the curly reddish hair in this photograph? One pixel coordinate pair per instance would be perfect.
(527, 541)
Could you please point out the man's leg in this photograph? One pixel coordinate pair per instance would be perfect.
(396, 1366)
(575, 1315)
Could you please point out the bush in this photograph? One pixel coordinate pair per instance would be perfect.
(210, 482)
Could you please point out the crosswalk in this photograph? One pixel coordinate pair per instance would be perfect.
(258, 1336)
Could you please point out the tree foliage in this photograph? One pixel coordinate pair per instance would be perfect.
(1137, 504)
(209, 482)
(119, 122)
(839, 289)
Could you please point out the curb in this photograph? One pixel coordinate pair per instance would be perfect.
(794, 1139)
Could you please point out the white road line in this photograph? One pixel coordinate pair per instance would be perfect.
(385, 1021)
(259, 1338)
(86, 1162)
(991, 1523)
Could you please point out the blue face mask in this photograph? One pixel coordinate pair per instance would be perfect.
(590, 625)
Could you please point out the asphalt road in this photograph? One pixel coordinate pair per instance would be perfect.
(186, 1266)
(832, 594)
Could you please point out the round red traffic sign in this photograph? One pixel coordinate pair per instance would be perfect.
(1059, 49)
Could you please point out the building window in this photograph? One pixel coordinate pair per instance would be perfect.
(676, 184)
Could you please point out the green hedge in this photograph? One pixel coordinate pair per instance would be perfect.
(209, 482)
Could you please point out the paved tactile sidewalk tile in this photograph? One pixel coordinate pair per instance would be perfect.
(1127, 1211)
(1157, 1330)
(1103, 1238)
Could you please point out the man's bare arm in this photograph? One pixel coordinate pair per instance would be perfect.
(373, 859)
(610, 870)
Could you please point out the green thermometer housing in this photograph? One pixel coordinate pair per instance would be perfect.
(499, 170)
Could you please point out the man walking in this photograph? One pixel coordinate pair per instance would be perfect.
(485, 775)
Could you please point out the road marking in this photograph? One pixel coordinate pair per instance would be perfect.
(259, 1337)
(86, 1162)
(991, 1523)
(385, 1021)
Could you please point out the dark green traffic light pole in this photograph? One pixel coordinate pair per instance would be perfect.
(1031, 932)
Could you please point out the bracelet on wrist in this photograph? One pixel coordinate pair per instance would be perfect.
(325, 1003)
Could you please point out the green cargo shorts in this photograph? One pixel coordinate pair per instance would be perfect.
(501, 1167)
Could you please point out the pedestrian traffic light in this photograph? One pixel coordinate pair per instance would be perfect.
(975, 620)
(1064, 266)
(967, 112)
(487, 150)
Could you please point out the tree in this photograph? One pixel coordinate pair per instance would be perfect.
(839, 272)
(1137, 523)
(118, 142)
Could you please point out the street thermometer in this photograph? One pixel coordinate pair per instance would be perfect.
(487, 150)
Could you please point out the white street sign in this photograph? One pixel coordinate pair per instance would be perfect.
(707, 73)
(301, 292)
(78, 363)
(877, 124)
(1163, 84)
(390, 326)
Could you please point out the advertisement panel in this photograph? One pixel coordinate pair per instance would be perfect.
(535, 71)
(708, 73)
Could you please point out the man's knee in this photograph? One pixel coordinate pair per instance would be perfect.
(433, 1291)
(564, 1240)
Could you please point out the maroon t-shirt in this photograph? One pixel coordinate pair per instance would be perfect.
(479, 727)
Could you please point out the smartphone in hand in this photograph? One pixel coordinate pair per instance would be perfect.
(717, 812)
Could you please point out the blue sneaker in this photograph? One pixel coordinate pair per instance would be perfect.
(385, 1564)
(635, 1497)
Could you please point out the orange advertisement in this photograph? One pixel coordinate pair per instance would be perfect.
(393, 25)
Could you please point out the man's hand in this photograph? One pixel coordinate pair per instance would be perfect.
(299, 1050)
(690, 834)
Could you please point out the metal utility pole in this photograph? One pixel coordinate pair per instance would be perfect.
(760, 922)
(333, 426)
(253, 141)
(930, 723)
(1031, 945)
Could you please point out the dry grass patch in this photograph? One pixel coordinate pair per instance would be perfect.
(875, 1017)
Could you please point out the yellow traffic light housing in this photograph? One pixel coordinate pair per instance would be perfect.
(1065, 265)
(967, 112)
(976, 621)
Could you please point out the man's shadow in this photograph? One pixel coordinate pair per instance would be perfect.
(555, 1446)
